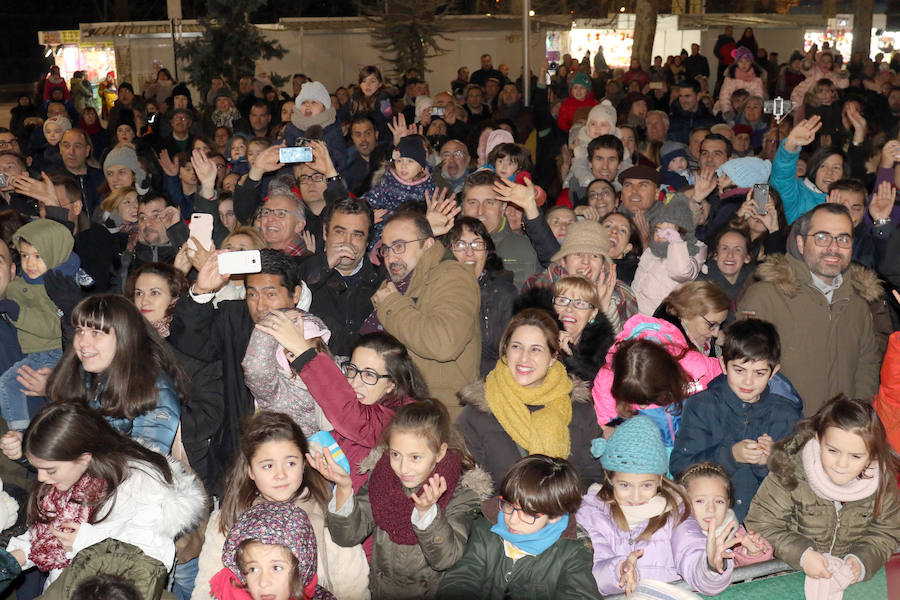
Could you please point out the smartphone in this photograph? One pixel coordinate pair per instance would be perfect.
(201, 227)
(242, 261)
(295, 154)
(437, 111)
(579, 217)
(761, 196)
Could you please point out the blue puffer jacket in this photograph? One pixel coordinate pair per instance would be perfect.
(797, 194)
(155, 428)
(715, 419)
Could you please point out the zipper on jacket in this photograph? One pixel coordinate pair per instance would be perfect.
(837, 526)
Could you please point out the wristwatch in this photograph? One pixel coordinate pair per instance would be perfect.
(333, 178)
(880, 222)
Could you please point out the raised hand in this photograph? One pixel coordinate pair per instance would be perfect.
(442, 211)
(882, 201)
(606, 286)
(321, 159)
(41, 190)
(588, 212)
(431, 492)
(324, 463)
(628, 573)
(209, 279)
(858, 122)
(169, 166)
(398, 128)
(206, 172)
(705, 183)
(266, 161)
(643, 227)
(803, 133)
(287, 333)
(520, 195)
(890, 154)
(309, 240)
(717, 548)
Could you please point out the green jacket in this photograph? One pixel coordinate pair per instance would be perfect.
(788, 513)
(561, 572)
(112, 557)
(38, 323)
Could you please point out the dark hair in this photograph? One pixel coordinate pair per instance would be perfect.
(240, 491)
(405, 375)
(481, 177)
(127, 388)
(106, 587)
(493, 262)
(729, 148)
(516, 153)
(17, 156)
(541, 484)
(430, 419)
(261, 104)
(752, 340)
(741, 231)
(534, 317)
(369, 70)
(802, 225)
(362, 118)
(349, 206)
(294, 577)
(606, 141)
(417, 217)
(152, 195)
(848, 184)
(65, 431)
(645, 373)
(634, 238)
(275, 262)
(10, 222)
(858, 417)
(177, 282)
(706, 469)
(815, 160)
(69, 185)
(690, 83)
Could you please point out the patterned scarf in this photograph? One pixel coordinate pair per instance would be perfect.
(391, 507)
(227, 118)
(544, 431)
(162, 326)
(75, 505)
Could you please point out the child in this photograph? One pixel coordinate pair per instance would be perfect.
(580, 95)
(45, 249)
(270, 554)
(49, 158)
(513, 163)
(314, 110)
(736, 420)
(601, 120)
(673, 169)
(675, 255)
(712, 495)
(530, 550)
(637, 524)
(651, 370)
(419, 503)
(408, 178)
(272, 381)
(236, 151)
(269, 467)
(98, 484)
(830, 504)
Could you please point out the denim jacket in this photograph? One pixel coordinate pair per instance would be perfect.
(155, 428)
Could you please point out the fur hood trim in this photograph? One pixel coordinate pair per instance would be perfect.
(785, 464)
(473, 394)
(182, 502)
(478, 480)
(782, 272)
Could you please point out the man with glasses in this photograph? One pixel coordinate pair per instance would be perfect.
(454, 166)
(431, 304)
(180, 140)
(12, 167)
(812, 297)
(161, 232)
(281, 221)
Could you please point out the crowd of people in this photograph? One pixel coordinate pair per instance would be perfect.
(640, 331)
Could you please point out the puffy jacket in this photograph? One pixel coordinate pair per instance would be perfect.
(517, 253)
(681, 122)
(561, 572)
(569, 106)
(887, 401)
(730, 85)
(842, 334)
(797, 194)
(793, 518)
(398, 571)
(496, 451)
(390, 192)
(715, 419)
(497, 295)
(656, 277)
(675, 551)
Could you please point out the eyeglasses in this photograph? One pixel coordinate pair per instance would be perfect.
(278, 213)
(508, 508)
(453, 154)
(368, 376)
(476, 246)
(601, 195)
(317, 178)
(823, 239)
(8, 143)
(398, 247)
(576, 302)
(712, 326)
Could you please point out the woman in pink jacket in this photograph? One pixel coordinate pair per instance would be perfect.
(743, 74)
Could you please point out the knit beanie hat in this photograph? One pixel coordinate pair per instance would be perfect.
(284, 524)
(423, 103)
(604, 111)
(635, 446)
(61, 122)
(314, 90)
(581, 79)
(588, 237)
(746, 171)
(495, 138)
(670, 146)
(182, 90)
(676, 211)
(742, 52)
(665, 159)
(412, 147)
(127, 157)
(224, 92)
(740, 128)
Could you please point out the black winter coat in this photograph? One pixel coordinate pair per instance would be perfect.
(497, 296)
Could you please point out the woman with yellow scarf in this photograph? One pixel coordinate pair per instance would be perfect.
(528, 404)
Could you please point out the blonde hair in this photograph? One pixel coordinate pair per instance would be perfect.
(578, 285)
(114, 199)
(696, 298)
(251, 232)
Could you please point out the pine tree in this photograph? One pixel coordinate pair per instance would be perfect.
(229, 47)
(407, 31)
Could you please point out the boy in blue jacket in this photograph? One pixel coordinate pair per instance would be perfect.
(738, 418)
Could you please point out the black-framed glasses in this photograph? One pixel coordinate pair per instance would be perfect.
(508, 508)
(823, 239)
(712, 326)
(398, 247)
(278, 213)
(475, 245)
(601, 195)
(368, 376)
(315, 178)
(576, 302)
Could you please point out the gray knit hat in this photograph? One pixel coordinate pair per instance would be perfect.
(676, 211)
(127, 157)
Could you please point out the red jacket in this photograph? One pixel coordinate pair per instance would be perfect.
(887, 400)
(569, 106)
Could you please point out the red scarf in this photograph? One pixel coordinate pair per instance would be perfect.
(75, 505)
(391, 507)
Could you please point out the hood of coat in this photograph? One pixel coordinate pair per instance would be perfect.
(478, 480)
(789, 275)
(473, 394)
(182, 502)
(785, 463)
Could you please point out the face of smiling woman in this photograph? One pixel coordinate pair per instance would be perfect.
(528, 356)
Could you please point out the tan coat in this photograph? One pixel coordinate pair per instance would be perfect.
(437, 319)
(826, 349)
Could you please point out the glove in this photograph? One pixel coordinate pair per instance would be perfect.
(670, 235)
(63, 291)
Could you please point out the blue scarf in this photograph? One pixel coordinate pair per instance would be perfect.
(532, 543)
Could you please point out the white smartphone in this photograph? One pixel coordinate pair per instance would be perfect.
(242, 261)
(295, 154)
(201, 227)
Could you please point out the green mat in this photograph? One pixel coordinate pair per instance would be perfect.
(790, 587)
